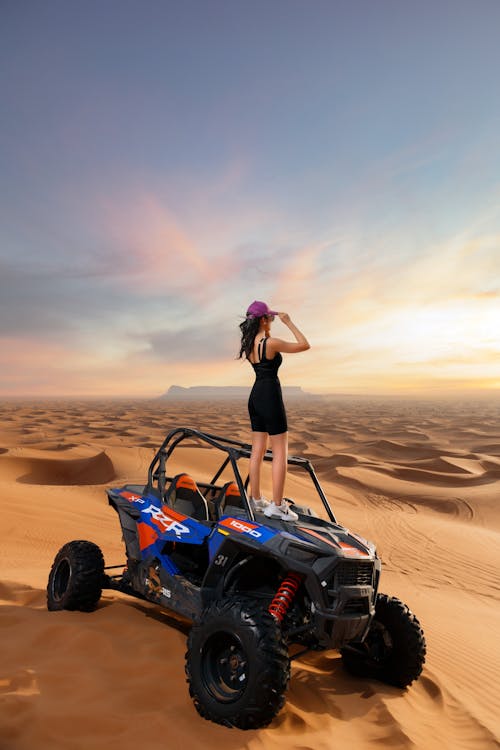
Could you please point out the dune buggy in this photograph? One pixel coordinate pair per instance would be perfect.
(257, 590)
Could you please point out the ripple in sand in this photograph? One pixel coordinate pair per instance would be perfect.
(491, 448)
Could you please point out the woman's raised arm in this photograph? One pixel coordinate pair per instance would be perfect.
(288, 347)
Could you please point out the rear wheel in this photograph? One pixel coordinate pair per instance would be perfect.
(76, 577)
(394, 649)
(237, 664)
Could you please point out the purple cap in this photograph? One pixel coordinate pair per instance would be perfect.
(259, 309)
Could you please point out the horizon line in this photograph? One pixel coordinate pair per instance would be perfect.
(420, 393)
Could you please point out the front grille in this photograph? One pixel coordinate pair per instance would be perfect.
(356, 607)
(353, 573)
(346, 575)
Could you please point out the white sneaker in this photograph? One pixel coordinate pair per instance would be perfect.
(281, 511)
(259, 505)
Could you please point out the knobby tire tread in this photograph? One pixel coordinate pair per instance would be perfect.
(87, 572)
(405, 663)
(259, 707)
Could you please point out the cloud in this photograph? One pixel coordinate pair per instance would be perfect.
(62, 305)
(202, 258)
(158, 251)
(456, 270)
(197, 343)
(34, 302)
(32, 366)
(159, 294)
(493, 294)
(298, 276)
(478, 357)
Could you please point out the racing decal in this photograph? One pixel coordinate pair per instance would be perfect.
(221, 560)
(244, 527)
(167, 519)
(132, 497)
(318, 536)
(147, 535)
(152, 581)
(350, 551)
(215, 540)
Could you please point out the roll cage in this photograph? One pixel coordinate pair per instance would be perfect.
(233, 450)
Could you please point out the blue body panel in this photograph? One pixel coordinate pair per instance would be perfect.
(158, 524)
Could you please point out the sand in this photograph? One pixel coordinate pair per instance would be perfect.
(419, 478)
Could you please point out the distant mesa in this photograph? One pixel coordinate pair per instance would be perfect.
(212, 392)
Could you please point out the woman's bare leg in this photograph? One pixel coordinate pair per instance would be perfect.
(259, 447)
(279, 447)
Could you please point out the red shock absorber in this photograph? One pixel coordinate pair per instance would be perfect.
(284, 596)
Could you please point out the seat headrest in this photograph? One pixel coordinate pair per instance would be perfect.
(183, 495)
(230, 499)
(231, 490)
(184, 481)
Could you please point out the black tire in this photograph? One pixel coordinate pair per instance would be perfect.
(237, 664)
(76, 577)
(394, 649)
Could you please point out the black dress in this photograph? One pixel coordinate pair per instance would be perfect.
(265, 404)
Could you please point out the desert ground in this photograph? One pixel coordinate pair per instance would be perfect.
(421, 478)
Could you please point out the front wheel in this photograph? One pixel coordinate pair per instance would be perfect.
(76, 577)
(237, 664)
(394, 649)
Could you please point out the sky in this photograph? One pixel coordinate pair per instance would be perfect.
(163, 164)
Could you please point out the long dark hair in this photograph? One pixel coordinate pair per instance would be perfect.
(249, 329)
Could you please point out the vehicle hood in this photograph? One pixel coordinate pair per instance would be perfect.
(331, 539)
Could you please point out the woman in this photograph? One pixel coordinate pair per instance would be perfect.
(265, 404)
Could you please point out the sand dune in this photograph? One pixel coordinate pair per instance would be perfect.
(434, 474)
(421, 479)
(44, 466)
(397, 451)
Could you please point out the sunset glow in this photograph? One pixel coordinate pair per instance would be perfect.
(147, 199)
